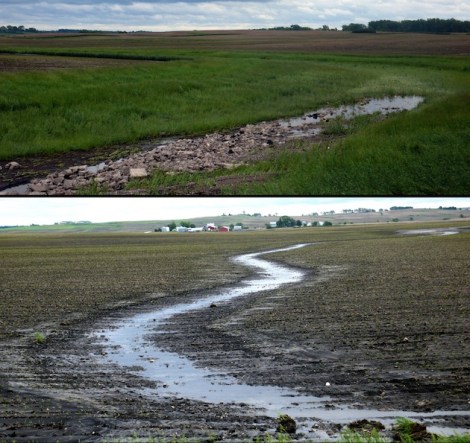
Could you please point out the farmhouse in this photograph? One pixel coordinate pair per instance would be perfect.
(211, 227)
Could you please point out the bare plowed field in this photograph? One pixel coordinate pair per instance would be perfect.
(16, 63)
(379, 322)
(284, 41)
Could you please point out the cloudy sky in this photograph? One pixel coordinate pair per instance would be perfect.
(26, 211)
(164, 15)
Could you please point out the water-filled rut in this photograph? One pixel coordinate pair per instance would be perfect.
(133, 343)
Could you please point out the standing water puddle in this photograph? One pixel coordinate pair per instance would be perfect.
(435, 231)
(309, 124)
(129, 345)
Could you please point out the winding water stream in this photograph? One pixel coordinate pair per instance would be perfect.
(128, 345)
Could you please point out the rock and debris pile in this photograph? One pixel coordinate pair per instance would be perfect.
(207, 153)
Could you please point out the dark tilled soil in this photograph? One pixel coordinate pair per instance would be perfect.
(62, 390)
(307, 336)
(423, 372)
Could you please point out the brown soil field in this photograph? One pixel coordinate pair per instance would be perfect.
(381, 316)
(332, 42)
(15, 63)
(315, 42)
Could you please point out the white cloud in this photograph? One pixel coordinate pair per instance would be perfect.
(140, 7)
(221, 14)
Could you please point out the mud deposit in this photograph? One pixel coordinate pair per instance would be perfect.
(192, 369)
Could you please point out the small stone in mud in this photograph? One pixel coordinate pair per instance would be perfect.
(213, 305)
(422, 405)
(286, 424)
(12, 165)
(366, 426)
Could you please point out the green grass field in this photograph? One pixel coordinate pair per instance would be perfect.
(198, 91)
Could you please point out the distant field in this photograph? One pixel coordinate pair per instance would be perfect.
(277, 41)
(252, 222)
(63, 277)
(221, 80)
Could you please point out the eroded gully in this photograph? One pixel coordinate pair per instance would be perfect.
(133, 344)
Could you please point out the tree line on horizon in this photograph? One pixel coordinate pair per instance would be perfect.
(432, 25)
(16, 29)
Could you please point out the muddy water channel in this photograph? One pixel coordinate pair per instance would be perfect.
(133, 344)
(309, 123)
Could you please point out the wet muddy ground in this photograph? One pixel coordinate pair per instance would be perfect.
(315, 336)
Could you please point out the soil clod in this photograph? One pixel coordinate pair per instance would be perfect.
(286, 424)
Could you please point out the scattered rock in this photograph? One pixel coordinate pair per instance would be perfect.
(138, 173)
(205, 153)
(38, 187)
(69, 184)
(286, 424)
(12, 165)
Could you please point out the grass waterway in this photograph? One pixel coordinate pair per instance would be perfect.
(297, 128)
(48, 108)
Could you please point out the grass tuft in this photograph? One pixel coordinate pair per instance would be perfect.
(39, 338)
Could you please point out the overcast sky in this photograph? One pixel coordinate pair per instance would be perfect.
(166, 15)
(26, 211)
